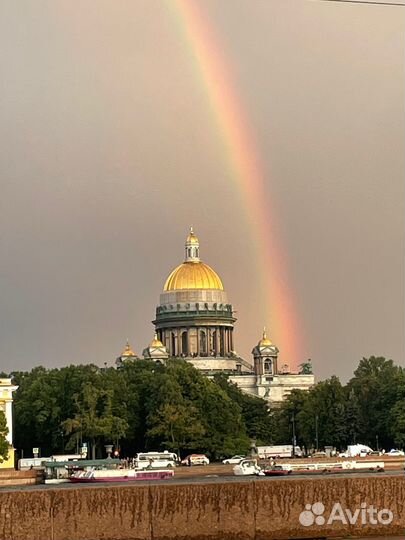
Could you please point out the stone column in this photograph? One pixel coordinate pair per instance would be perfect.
(198, 341)
(9, 417)
(178, 348)
(217, 343)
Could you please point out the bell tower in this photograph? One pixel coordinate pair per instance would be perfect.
(265, 356)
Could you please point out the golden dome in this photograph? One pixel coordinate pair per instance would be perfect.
(128, 352)
(192, 238)
(193, 275)
(264, 342)
(156, 342)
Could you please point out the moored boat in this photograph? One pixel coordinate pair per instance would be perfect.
(276, 471)
(247, 467)
(119, 475)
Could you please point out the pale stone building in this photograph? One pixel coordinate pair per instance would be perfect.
(267, 380)
(6, 405)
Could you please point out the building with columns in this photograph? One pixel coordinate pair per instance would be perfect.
(195, 321)
(6, 405)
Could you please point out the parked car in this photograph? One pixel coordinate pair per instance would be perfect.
(195, 459)
(233, 460)
(395, 453)
(320, 454)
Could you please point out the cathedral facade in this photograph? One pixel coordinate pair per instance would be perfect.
(195, 321)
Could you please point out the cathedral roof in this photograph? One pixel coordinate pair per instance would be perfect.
(193, 273)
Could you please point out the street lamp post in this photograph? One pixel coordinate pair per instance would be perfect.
(316, 432)
(293, 435)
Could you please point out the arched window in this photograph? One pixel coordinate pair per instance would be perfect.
(214, 351)
(203, 343)
(268, 367)
(184, 343)
(173, 344)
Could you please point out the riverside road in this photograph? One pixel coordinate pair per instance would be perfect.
(206, 479)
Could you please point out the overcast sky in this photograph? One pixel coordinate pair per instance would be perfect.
(108, 153)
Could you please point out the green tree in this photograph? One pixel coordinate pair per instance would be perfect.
(397, 418)
(287, 416)
(376, 386)
(177, 426)
(93, 419)
(254, 410)
(323, 411)
(212, 414)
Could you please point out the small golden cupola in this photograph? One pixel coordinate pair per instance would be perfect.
(156, 342)
(128, 352)
(191, 241)
(156, 351)
(265, 341)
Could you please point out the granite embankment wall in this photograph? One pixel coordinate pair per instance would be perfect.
(11, 477)
(258, 509)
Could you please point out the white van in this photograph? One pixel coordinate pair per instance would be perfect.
(156, 460)
(279, 451)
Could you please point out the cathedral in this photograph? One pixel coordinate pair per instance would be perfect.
(195, 321)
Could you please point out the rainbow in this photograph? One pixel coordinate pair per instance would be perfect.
(243, 160)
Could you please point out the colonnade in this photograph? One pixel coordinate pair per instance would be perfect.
(198, 341)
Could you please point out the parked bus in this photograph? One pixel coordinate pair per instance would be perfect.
(39, 462)
(156, 460)
(66, 457)
(32, 463)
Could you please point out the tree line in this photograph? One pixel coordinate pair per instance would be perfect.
(369, 409)
(147, 406)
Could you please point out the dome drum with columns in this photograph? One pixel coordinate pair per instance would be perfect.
(194, 319)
